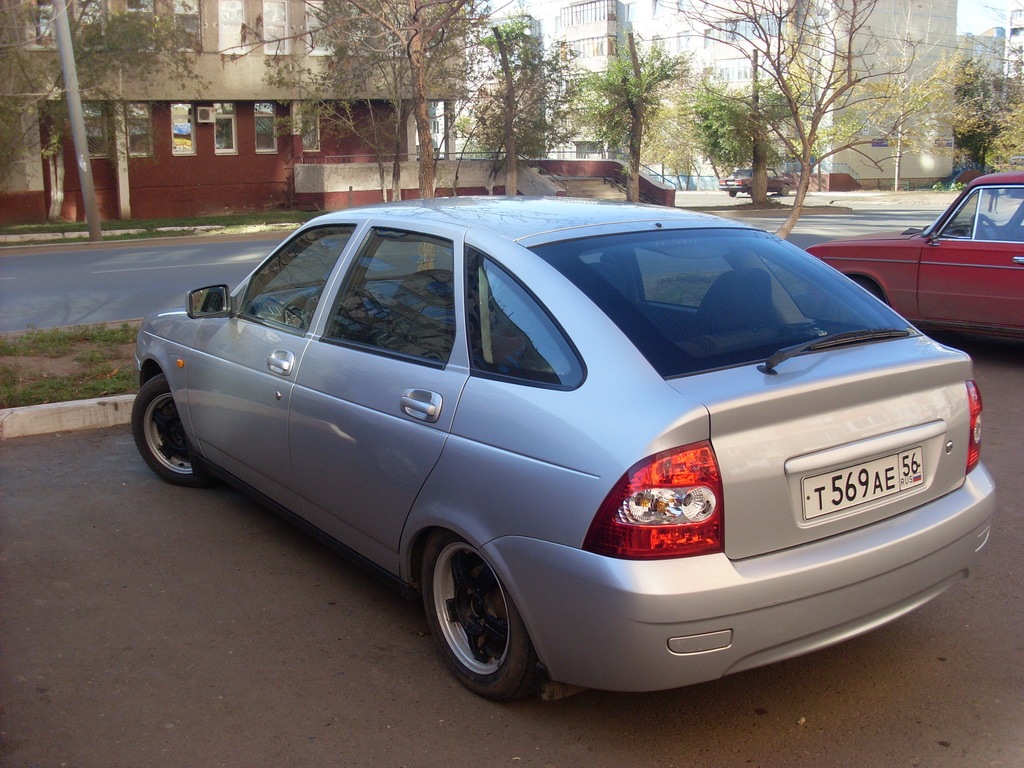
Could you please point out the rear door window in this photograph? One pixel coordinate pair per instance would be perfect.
(399, 297)
(697, 299)
(511, 336)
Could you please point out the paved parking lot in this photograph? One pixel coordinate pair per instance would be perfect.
(146, 625)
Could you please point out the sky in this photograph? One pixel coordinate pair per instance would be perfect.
(975, 16)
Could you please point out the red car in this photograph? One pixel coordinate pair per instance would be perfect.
(965, 272)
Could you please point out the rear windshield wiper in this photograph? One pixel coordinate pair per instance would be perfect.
(825, 342)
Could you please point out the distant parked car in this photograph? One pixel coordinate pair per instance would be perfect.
(964, 272)
(613, 446)
(741, 179)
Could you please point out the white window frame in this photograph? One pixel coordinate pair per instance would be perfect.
(97, 128)
(41, 34)
(261, 111)
(230, 20)
(186, 17)
(225, 113)
(314, 23)
(138, 118)
(276, 40)
(311, 133)
(191, 115)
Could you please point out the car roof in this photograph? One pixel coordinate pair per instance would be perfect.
(530, 220)
(1009, 177)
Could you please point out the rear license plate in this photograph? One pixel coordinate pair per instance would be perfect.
(858, 484)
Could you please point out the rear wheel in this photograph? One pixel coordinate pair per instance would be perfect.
(160, 436)
(784, 192)
(476, 625)
(732, 193)
(870, 286)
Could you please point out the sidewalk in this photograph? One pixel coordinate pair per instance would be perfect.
(712, 200)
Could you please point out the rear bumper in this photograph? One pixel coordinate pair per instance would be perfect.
(638, 626)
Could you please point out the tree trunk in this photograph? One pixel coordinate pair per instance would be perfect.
(421, 111)
(798, 200)
(56, 186)
(511, 161)
(636, 133)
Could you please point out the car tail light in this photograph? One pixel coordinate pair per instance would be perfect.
(974, 442)
(668, 505)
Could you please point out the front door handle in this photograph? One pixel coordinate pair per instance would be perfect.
(422, 404)
(1018, 260)
(281, 362)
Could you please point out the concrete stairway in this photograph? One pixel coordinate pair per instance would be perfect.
(590, 187)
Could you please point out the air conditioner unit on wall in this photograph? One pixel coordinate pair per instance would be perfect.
(204, 114)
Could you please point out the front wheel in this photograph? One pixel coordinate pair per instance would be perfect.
(477, 627)
(784, 192)
(160, 436)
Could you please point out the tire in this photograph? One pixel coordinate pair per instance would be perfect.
(732, 193)
(784, 192)
(475, 624)
(160, 436)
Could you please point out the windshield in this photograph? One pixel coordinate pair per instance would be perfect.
(696, 299)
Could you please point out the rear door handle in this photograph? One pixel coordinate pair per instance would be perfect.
(1018, 260)
(281, 362)
(422, 404)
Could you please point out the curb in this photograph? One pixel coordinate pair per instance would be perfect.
(65, 417)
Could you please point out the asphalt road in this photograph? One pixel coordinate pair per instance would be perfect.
(59, 285)
(146, 625)
(53, 286)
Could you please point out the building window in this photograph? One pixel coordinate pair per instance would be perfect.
(224, 129)
(275, 28)
(183, 129)
(316, 41)
(186, 18)
(140, 6)
(266, 129)
(96, 130)
(42, 22)
(594, 47)
(231, 14)
(93, 13)
(139, 127)
(587, 13)
(311, 133)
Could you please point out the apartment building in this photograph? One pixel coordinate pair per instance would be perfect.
(1015, 32)
(595, 29)
(228, 139)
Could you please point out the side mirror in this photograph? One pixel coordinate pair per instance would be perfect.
(212, 301)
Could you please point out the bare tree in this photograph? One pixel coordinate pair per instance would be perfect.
(421, 27)
(401, 53)
(818, 56)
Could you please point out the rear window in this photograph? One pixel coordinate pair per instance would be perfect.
(696, 299)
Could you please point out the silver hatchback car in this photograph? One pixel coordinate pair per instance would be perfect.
(611, 446)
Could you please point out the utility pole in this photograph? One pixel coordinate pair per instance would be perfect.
(77, 120)
(511, 167)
